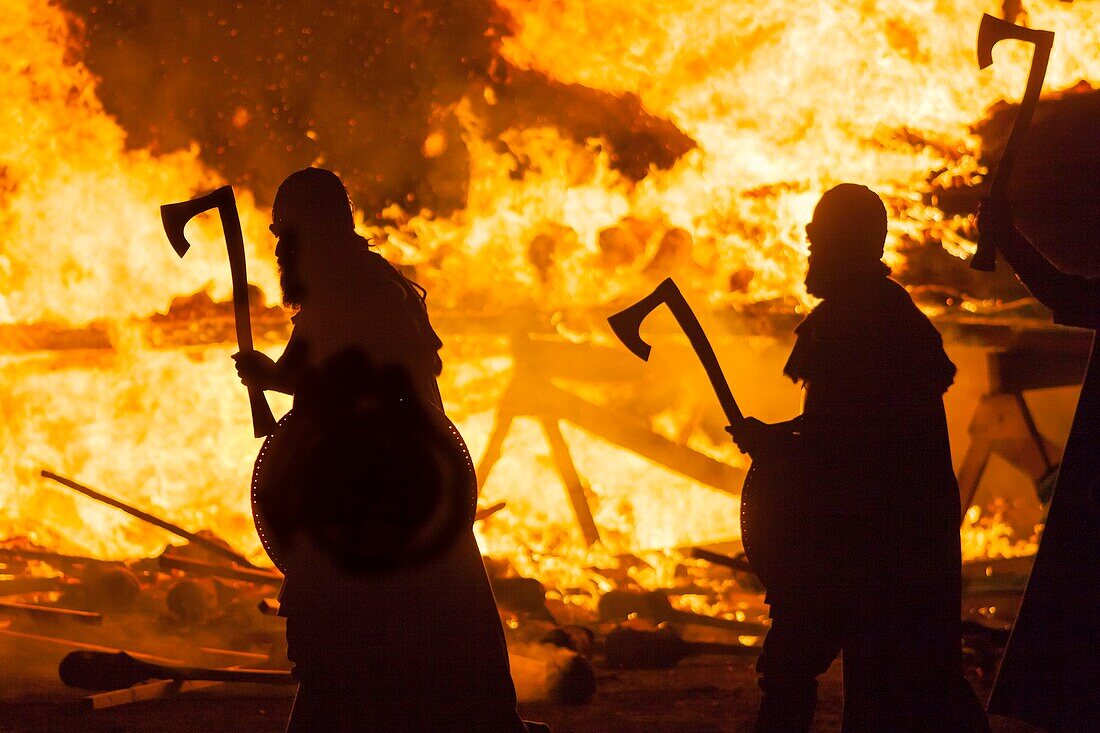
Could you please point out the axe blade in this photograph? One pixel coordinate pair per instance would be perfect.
(627, 323)
(174, 217)
(993, 30)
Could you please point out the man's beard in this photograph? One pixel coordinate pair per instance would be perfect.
(291, 287)
(829, 277)
(290, 281)
(823, 280)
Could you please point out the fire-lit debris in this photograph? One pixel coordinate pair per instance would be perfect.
(212, 546)
(49, 613)
(194, 604)
(654, 607)
(629, 647)
(224, 624)
(218, 617)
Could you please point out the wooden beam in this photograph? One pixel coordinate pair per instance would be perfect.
(501, 423)
(49, 613)
(628, 432)
(53, 641)
(19, 586)
(259, 576)
(145, 691)
(574, 487)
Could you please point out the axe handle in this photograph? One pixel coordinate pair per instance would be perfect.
(986, 253)
(263, 422)
(697, 337)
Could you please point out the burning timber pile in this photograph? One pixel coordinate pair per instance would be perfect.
(515, 370)
(122, 625)
(591, 587)
(200, 614)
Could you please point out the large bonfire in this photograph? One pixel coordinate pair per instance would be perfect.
(752, 111)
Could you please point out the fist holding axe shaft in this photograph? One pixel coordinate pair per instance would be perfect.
(257, 370)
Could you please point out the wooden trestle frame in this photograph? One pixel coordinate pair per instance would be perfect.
(1003, 424)
(532, 393)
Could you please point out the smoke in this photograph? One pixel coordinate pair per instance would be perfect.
(367, 88)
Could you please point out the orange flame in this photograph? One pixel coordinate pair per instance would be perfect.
(785, 99)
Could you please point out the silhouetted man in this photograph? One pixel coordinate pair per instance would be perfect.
(1050, 672)
(400, 647)
(874, 569)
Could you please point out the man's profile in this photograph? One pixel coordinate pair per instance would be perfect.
(873, 566)
(380, 646)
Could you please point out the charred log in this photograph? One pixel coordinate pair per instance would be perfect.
(633, 648)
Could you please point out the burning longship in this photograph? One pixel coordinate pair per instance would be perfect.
(533, 165)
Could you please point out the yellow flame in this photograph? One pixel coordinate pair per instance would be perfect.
(82, 238)
(784, 99)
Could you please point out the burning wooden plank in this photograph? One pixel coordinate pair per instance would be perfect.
(627, 432)
(200, 568)
(214, 547)
(143, 692)
(715, 558)
(19, 586)
(22, 555)
(49, 613)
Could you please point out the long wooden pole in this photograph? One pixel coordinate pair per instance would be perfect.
(151, 519)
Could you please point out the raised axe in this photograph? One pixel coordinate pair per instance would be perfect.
(991, 32)
(175, 218)
(628, 322)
